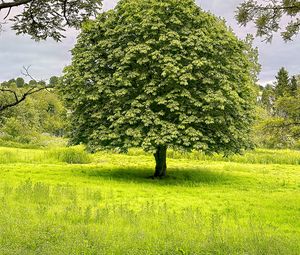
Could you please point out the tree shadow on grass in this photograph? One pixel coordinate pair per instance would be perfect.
(182, 177)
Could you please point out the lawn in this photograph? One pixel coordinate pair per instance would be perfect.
(64, 201)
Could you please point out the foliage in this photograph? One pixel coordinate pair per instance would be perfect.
(48, 19)
(282, 85)
(153, 73)
(280, 124)
(70, 155)
(294, 85)
(267, 17)
(53, 81)
(20, 82)
(14, 92)
(41, 113)
(268, 98)
(109, 207)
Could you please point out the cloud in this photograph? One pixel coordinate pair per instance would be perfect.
(49, 58)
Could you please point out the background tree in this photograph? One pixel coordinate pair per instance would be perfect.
(268, 98)
(48, 18)
(279, 125)
(268, 15)
(10, 96)
(294, 84)
(53, 81)
(282, 84)
(160, 74)
(20, 82)
(41, 117)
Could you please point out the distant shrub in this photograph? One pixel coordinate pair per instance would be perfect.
(75, 155)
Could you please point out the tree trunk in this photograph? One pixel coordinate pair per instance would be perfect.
(161, 161)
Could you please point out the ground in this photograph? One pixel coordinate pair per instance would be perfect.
(63, 201)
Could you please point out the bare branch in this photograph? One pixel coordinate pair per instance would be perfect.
(7, 13)
(26, 73)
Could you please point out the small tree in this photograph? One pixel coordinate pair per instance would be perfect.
(268, 98)
(20, 82)
(53, 81)
(160, 74)
(294, 85)
(282, 84)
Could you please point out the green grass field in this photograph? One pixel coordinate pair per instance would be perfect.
(64, 201)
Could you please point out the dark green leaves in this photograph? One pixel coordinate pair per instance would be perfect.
(153, 73)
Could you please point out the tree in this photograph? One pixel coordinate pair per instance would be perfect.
(282, 84)
(42, 114)
(20, 82)
(267, 98)
(42, 19)
(10, 96)
(268, 16)
(280, 127)
(53, 81)
(160, 74)
(294, 85)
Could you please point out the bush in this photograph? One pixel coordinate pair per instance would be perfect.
(75, 155)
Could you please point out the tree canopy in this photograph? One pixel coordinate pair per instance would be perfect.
(268, 17)
(42, 19)
(160, 74)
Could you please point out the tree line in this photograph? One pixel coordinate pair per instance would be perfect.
(34, 120)
(280, 119)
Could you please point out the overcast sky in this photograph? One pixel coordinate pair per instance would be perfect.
(49, 58)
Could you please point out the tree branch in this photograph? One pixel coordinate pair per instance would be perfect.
(7, 13)
(4, 5)
(65, 11)
(19, 100)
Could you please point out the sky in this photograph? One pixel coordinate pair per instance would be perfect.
(48, 58)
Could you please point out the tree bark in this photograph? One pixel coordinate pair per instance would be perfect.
(161, 161)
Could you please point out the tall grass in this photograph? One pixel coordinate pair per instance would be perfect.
(111, 207)
(63, 220)
(72, 155)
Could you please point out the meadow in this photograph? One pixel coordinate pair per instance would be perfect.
(65, 201)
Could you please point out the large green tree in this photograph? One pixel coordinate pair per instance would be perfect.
(160, 74)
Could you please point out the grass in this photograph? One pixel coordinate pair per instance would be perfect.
(64, 201)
